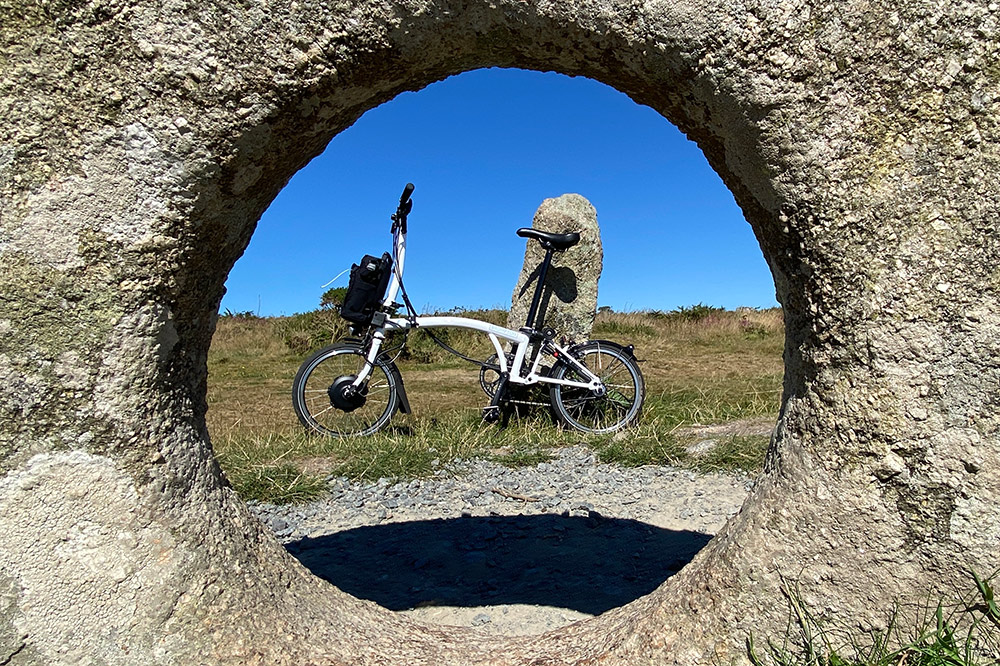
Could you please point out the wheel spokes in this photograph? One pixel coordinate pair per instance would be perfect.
(590, 411)
(321, 406)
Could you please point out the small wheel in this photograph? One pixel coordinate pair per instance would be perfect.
(620, 403)
(326, 402)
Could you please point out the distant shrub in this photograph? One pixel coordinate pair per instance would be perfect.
(624, 328)
(753, 330)
(309, 331)
(422, 348)
(699, 312)
(333, 297)
(246, 315)
(687, 313)
(492, 315)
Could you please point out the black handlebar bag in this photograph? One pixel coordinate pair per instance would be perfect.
(366, 289)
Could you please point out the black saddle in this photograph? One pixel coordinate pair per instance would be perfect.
(550, 240)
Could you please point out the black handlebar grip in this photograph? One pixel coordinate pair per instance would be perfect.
(407, 191)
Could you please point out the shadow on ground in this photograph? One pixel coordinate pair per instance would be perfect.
(590, 564)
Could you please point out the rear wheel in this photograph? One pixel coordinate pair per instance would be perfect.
(326, 401)
(614, 408)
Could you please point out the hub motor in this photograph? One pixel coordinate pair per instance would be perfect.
(343, 395)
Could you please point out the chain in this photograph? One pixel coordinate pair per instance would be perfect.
(528, 402)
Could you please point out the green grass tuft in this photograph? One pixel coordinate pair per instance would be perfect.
(737, 453)
(966, 634)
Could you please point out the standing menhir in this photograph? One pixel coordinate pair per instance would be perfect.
(569, 300)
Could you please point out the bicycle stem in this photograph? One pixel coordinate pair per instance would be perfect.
(399, 252)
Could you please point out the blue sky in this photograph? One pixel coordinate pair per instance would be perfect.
(484, 149)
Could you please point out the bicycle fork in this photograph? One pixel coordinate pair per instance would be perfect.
(359, 383)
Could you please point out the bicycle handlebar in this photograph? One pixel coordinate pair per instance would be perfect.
(405, 205)
(407, 191)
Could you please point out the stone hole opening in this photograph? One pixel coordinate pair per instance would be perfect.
(146, 141)
(454, 561)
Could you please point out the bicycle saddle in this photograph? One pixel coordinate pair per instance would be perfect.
(550, 240)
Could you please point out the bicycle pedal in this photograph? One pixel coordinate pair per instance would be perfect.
(491, 414)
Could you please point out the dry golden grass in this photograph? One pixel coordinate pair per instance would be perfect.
(723, 366)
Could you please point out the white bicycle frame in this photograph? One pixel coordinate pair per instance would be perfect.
(521, 342)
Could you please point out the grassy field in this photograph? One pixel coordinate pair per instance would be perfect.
(702, 366)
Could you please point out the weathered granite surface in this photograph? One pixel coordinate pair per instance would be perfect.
(142, 140)
(569, 296)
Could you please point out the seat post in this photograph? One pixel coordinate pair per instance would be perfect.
(537, 298)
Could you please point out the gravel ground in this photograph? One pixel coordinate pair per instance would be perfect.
(510, 551)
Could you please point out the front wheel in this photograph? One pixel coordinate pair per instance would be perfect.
(326, 401)
(619, 404)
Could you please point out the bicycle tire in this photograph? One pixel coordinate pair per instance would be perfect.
(585, 410)
(315, 386)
